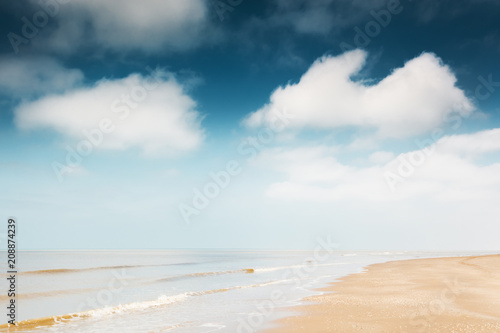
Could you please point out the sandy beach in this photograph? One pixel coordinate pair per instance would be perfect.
(459, 294)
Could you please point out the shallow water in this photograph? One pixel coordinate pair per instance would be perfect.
(178, 290)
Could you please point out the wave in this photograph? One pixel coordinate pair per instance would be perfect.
(52, 293)
(166, 300)
(55, 293)
(244, 270)
(163, 300)
(76, 270)
(203, 274)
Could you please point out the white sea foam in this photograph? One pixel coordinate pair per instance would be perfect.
(162, 301)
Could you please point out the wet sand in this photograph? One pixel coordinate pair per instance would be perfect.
(422, 295)
(33, 324)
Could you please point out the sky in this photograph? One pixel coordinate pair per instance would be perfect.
(241, 124)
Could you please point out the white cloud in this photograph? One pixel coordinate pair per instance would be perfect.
(471, 144)
(132, 25)
(443, 174)
(27, 77)
(411, 100)
(153, 113)
(381, 157)
(314, 174)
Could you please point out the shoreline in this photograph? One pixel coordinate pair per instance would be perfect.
(451, 294)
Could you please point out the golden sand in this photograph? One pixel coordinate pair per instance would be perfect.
(423, 295)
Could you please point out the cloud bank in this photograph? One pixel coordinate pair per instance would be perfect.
(443, 172)
(413, 99)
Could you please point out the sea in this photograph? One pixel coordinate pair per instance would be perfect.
(175, 290)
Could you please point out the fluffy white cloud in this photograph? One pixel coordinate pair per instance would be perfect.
(153, 113)
(131, 25)
(26, 77)
(440, 172)
(411, 100)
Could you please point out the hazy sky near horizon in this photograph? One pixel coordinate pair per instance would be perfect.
(251, 124)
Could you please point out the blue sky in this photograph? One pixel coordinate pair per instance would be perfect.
(251, 124)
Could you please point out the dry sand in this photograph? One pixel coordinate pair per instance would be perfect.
(423, 295)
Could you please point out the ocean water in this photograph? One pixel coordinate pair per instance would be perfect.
(176, 290)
